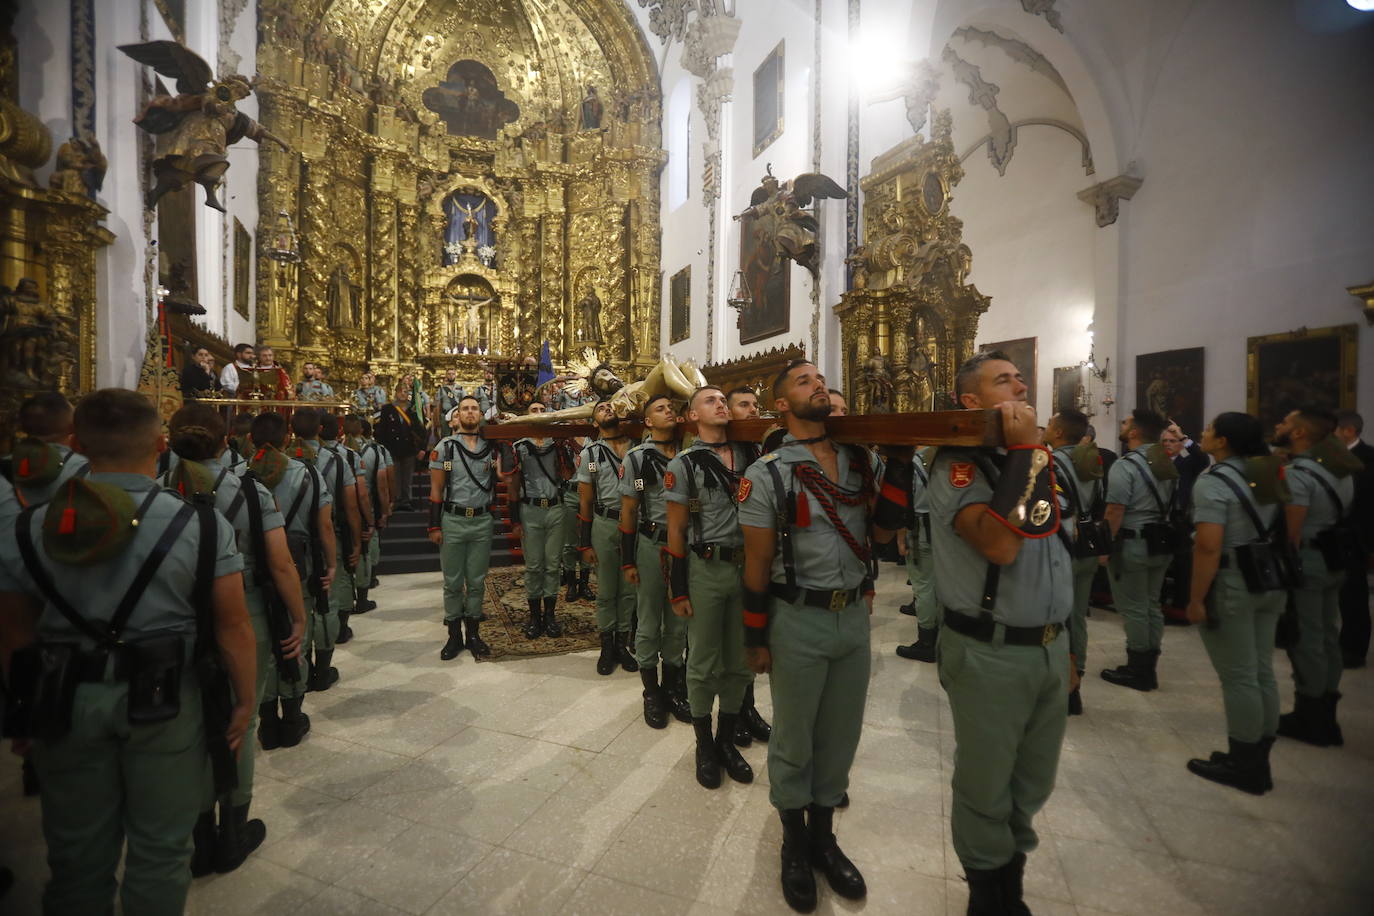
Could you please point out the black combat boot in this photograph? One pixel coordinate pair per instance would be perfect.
(455, 639)
(30, 779)
(605, 664)
(741, 737)
(1075, 702)
(986, 892)
(535, 628)
(238, 837)
(730, 757)
(1152, 668)
(758, 727)
(923, 649)
(322, 676)
(1242, 768)
(345, 631)
(203, 836)
(1307, 721)
(708, 762)
(675, 683)
(269, 725)
(476, 645)
(798, 880)
(570, 580)
(844, 878)
(584, 585)
(843, 802)
(362, 605)
(1137, 673)
(295, 724)
(1266, 744)
(1333, 728)
(375, 583)
(908, 609)
(624, 654)
(1013, 875)
(552, 628)
(655, 702)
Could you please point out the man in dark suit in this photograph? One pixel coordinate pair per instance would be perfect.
(1191, 461)
(1355, 592)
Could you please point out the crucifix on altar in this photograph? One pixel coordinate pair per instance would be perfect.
(466, 322)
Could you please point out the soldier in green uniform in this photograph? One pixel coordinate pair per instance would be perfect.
(920, 567)
(462, 477)
(306, 506)
(1006, 590)
(598, 494)
(660, 634)
(369, 397)
(1235, 504)
(577, 570)
(122, 770)
(343, 593)
(541, 474)
(197, 436)
(1321, 477)
(808, 589)
(314, 387)
(1078, 471)
(1140, 498)
(449, 392)
(43, 459)
(705, 555)
(486, 394)
(337, 477)
(743, 404)
(374, 462)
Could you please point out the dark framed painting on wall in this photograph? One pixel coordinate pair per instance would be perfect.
(768, 99)
(1022, 352)
(1171, 383)
(1068, 389)
(243, 266)
(770, 285)
(680, 305)
(1309, 367)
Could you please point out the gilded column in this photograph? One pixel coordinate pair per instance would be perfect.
(384, 257)
(408, 294)
(532, 332)
(899, 318)
(278, 192)
(553, 286)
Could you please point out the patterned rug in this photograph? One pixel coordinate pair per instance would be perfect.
(508, 611)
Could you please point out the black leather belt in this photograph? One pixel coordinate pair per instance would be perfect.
(607, 513)
(983, 628)
(721, 552)
(1127, 534)
(654, 532)
(830, 600)
(465, 511)
(540, 502)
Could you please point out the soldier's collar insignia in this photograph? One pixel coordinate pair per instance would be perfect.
(960, 474)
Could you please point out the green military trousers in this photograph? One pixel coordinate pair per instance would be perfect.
(1317, 660)
(276, 687)
(542, 544)
(107, 784)
(660, 634)
(1241, 647)
(1137, 579)
(1009, 705)
(819, 681)
(367, 561)
(572, 557)
(615, 598)
(465, 557)
(715, 633)
(257, 613)
(1084, 569)
(341, 596)
(920, 569)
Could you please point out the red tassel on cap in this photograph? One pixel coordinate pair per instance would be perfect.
(23, 467)
(68, 525)
(803, 510)
(260, 453)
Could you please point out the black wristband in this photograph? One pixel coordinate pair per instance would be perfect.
(628, 548)
(755, 619)
(514, 511)
(584, 533)
(436, 514)
(1037, 514)
(675, 568)
(893, 509)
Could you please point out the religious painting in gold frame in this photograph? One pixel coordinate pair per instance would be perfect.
(243, 267)
(769, 83)
(1309, 367)
(680, 305)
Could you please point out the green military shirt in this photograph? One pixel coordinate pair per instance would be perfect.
(165, 608)
(1132, 484)
(72, 464)
(9, 508)
(1082, 494)
(642, 478)
(1033, 590)
(449, 396)
(821, 557)
(335, 469)
(485, 398)
(1215, 502)
(315, 390)
(600, 467)
(698, 472)
(370, 400)
(539, 475)
(920, 482)
(229, 500)
(470, 472)
(1305, 478)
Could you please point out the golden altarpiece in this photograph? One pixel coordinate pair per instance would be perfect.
(467, 178)
(910, 318)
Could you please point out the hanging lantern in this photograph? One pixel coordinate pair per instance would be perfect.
(739, 298)
(284, 247)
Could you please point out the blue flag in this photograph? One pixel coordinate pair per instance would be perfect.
(545, 367)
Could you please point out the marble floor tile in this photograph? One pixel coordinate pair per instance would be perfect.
(511, 882)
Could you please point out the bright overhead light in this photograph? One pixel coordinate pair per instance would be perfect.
(1363, 6)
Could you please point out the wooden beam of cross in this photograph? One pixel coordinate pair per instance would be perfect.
(940, 427)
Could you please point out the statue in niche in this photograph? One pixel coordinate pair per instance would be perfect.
(878, 384)
(589, 317)
(466, 331)
(195, 127)
(919, 367)
(344, 300)
(592, 109)
(37, 342)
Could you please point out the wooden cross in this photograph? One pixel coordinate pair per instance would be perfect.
(940, 427)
